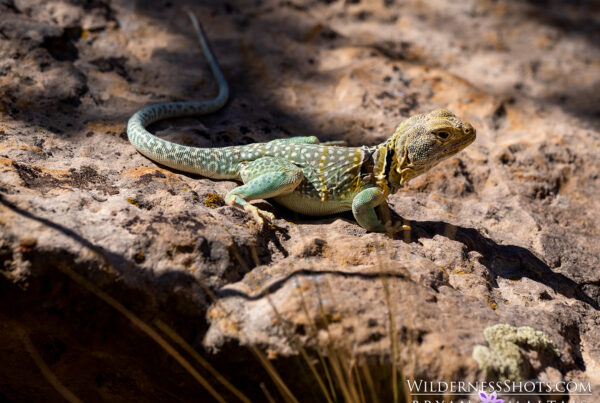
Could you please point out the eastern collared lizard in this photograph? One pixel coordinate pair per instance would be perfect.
(300, 173)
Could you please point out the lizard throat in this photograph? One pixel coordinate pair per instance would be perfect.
(406, 168)
(385, 168)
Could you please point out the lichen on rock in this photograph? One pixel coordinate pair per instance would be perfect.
(503, 359)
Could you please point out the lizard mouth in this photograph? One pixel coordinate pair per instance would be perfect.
(456, 147)
(460, 145)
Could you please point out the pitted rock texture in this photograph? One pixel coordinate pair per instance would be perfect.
(506, 232)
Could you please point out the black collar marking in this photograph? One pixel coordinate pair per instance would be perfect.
(368, 162)
(389, 160)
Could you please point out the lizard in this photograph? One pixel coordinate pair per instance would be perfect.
(300, 173)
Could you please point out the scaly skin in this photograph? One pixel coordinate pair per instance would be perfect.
(299, 172)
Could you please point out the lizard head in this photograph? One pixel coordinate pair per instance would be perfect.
(423, 141)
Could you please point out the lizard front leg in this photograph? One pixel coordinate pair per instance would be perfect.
(363, 208)
(264, 178)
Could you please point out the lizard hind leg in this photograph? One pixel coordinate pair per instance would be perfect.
(264, 178)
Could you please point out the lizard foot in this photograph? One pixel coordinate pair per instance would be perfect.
(258, 214)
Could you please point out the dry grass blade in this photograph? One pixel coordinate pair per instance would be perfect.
(339, 373)
(397, 373)
(352, 384)
(285, 392)
(153, 334)
(393, 338)
(393, 335)
(283, 389)
(267, 393)
(47, 372)
(342, 355)
(369, 381)
(356, 377)
(325, 368)
(291, 338)
(183, 344)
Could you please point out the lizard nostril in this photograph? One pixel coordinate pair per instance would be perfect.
(468, 129)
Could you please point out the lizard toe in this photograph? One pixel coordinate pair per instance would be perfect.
(258, 214)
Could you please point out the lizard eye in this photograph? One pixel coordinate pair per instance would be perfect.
(443, 135)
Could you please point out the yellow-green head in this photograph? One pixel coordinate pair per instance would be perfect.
(422, 141)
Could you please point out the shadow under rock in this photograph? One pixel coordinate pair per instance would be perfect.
(163, 282)
(506, 261)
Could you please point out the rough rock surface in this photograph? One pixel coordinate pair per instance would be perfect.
(506, 232)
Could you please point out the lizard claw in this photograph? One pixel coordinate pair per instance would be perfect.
(258, 214)
(396, 227)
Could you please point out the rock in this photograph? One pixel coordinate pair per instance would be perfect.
(120, 277)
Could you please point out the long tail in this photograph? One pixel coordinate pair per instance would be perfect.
(189, 159)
